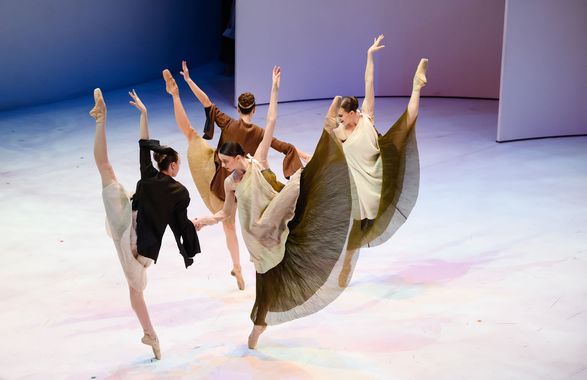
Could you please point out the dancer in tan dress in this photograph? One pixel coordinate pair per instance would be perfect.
(137, 225)
(295, 233)
(384, 168)
(207, 172)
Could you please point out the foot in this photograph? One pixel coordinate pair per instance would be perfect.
(152, 341)
(170, 85)
(420, 76)
(99, 110)
(240, 282)
(254, 336)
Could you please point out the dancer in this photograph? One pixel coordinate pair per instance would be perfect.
(207, 172)
(159, 201)
(384, 168)
(295, 233)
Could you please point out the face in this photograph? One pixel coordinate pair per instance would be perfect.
(229, 163)
(345, 118)
(173, 168)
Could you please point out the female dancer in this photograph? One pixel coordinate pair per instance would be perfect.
(384, 168)
(207, 172)
(295, 233)
(159, 201)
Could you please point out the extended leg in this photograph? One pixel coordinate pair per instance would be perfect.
(100, 148)
(419, 82)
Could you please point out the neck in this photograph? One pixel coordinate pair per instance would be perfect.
(247, 118)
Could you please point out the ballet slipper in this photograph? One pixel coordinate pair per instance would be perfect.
(254, 336)
(149, 340)
(99, 110)
(239, 278)
(170, 84)
(420, 76)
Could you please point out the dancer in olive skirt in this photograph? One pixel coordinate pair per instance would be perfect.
(295, 233)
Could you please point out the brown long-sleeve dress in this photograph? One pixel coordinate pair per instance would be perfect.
(249, 136)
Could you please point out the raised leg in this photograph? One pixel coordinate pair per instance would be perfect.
(100, 148)
(419, 82)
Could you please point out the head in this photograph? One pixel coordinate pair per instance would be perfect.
(167, 161)
(347, 113)
(231, 154)
(246, 104)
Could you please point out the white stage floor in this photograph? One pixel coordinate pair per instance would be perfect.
(486, 280)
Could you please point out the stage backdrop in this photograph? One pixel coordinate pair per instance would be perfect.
(544, 71)
(321, 46)
(53, 50)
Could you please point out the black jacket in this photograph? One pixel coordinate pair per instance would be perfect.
(160, 201)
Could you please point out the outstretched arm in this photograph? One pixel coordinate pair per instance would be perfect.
(201, 95)
(181, 118)
(144, 127)
(263, 148)
(369, 101)
(227, 211)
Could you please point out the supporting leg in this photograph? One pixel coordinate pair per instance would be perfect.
(137, 302)
(232, 244)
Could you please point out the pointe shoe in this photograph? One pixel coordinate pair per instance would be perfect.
(239, 278)
(420, 76)
(154, 343)
(99, 110)
(170, 84)
(254, 336)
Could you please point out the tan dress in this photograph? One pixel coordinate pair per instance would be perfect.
(361, 149)
(121, 226)
(296, 235)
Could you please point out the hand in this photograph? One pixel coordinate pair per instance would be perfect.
(276, 76)
(304, 156)
(185, 73)
(200, 223)
(136, 101)
(334, 106)
(376, 47)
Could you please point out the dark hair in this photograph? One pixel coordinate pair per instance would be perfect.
(232, 149)
(349, 104)
(165, 157)
(246, 103)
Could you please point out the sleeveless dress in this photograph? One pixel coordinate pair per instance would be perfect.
(296, 236)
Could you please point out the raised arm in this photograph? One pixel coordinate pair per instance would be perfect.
(144, 127)
(263, 148)
(369, 101)
(201, 95)
(330, 121)
(181, 118)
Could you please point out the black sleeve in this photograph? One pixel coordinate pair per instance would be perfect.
(184, 231)
(147, 168)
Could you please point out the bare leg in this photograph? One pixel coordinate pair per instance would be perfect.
(108, 177)
(232, 244)
(419, 82)
(140, 308)
(100, 147)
